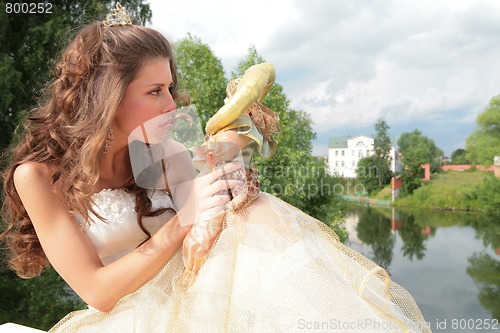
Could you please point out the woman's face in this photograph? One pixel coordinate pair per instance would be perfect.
(143, 112)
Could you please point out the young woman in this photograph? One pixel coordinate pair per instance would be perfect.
(258, 265)
(74, 151)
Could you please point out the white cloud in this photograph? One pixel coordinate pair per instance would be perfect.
(348, 63)
(229, 27)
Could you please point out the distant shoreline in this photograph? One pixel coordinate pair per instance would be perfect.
(466, 191)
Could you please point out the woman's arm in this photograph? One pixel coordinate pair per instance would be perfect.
(72, 254)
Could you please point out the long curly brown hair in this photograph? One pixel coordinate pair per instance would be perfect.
(69, 126)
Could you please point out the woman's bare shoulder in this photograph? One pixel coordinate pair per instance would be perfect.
(29, 174)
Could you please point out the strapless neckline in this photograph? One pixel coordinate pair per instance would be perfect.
(120, 232)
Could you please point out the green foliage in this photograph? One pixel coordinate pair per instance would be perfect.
(459, 157)
(39, 302)
(252, 58)
(451, 190)
(488, 195)
(367, 173)
(302, 180)
(411, 181)
(30, 43)
(374, 172)
(339, 228)
(201, 75)
(292, 173)
(383, 194)
(382, 142)
(417, 149)
(484, 142)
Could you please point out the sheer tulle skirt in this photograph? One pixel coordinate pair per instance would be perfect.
(273, 269)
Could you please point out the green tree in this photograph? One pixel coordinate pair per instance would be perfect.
(40, 302)
(293, 174)
(29, 44)
(201, 75)
(417, 149)
(484, 142)
(488, 195)
(459, 156)
(374, 172)
(382, 143)
(367, 173)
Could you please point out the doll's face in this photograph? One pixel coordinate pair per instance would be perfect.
(147, 101)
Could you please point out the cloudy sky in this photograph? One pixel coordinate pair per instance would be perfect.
(431, 65)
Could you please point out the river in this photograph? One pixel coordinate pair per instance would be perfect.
(448, 261)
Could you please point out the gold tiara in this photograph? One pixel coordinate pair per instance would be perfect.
(119, 17)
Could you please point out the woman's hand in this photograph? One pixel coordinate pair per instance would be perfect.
(199, 242)
(208, 224)
(193, 198)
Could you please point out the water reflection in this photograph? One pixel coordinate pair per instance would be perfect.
(376, 230)
(485, 271)
(483, 268)
(449, 261)
(413, 235)
(379, 229)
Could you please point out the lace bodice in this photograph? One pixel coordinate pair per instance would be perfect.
(120, 233)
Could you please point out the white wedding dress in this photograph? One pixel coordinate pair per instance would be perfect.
(272, 269)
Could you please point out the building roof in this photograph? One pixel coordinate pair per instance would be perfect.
(341, 141)
(338, 142)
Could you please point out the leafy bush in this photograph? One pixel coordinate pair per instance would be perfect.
(488, 195)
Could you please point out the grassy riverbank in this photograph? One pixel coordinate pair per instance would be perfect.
(451, 190)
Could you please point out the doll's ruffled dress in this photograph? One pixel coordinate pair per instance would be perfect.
(272, 268)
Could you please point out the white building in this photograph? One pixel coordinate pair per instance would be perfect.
(345, 152)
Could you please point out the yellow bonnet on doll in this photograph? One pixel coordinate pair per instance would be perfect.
(244, 111)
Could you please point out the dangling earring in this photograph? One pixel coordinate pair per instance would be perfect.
(109, 140)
